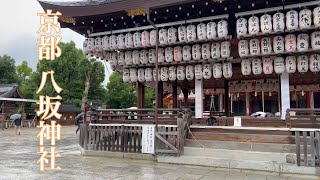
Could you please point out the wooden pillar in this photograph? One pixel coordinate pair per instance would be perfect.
(160, 94)
(140, 95)
(220, 102)
(174, 94)
(226, 97)
(285, 94)
(311, 97)
(185, 92)
(247, 104)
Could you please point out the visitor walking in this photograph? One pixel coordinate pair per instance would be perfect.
(79, 120)
(17, 122)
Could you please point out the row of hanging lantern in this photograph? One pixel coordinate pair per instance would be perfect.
(172, 73)
(170, 36)
(289, 43)
(170, 54)
(279, 65)
(278, 22)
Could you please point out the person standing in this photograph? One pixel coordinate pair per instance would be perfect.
(79, 120)
(17, 124)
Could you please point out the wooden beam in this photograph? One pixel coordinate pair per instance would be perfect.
(140, 95)
(185, 92)
(160, 94)
(226, 97)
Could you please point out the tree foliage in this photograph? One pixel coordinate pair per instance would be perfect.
(7, 70)
(124, 95)
(23, 71)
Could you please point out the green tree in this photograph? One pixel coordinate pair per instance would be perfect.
(119, 93)
(7, 70)
(71, 70)
(124, 95)
(23, 71)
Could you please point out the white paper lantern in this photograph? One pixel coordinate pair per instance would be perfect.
(303, 63)
(254, 47)
(292, 21)
(291, 43)
(227, 70)
(177, 53)
(126, 75)
(136, 57)
(85, 46)
(90, 44)
(316, 16)
(278, 22)
(222, 29)
(256, 66)
(225, 49)
(243, 48)
(105, 43)
(113, 42)
(215, 50)
(172, 73)
(137, 39)
(128, 57)
(279, 66)
(202, 31)
(278, 44)
(207, 71)
(305, 19)
(198, 71)
(121, 59)
(154, 74)
(128, 39)
(266, 48)
(205, 51)
(315, 63)
(242, 29)
(161, 57)
(253, 25)
(246, 67)
(114, 59)
(196, 52)
(106, 55)
(186, 53)
(267, 65)
(152, 56)
(266, 23)
(133, 75)
(315, 40)
(164, 74)
(153, 37)
(303, 42)
(211, 30)
(182, 34)
(144, 58)
(191, 33)
(141, 76)
(98, 44)
(169, 54)
(181, 75)
(121, 41)
(172, 35)
(217, 70)
(145, 36)
(291, 64)
(163, 36)
(148, 74)
(189, 72)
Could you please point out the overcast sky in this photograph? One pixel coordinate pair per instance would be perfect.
(18, 26)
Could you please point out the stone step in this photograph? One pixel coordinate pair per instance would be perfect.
(240, 155)
(245, 146)
(282, 168)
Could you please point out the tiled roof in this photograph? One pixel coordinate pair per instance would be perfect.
(9, 90)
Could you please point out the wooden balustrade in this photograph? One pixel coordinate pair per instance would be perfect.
(303, 118)
(308, 148)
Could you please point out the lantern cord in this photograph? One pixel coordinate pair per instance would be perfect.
(195, 138)
(212, 105)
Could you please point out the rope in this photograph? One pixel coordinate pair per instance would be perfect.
(195, 138)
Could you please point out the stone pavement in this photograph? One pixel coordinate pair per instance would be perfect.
(18, 161)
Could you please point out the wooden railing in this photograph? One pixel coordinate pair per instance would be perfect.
(303, 118)
(169, 139)
(308, 147)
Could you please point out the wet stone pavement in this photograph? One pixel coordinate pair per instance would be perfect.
(18, 161)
